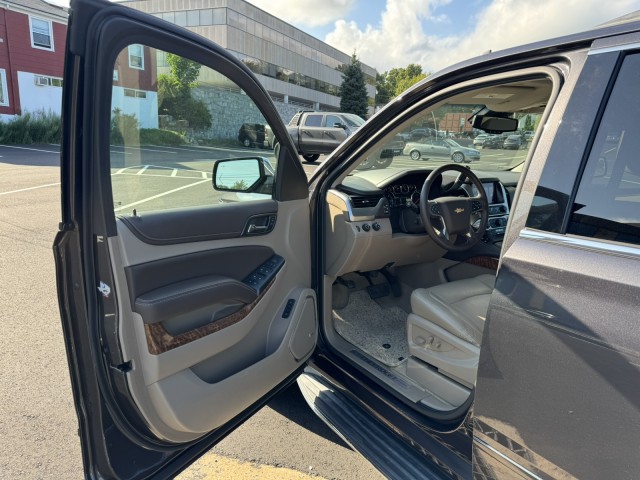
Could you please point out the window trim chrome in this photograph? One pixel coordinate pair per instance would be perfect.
(580, 242)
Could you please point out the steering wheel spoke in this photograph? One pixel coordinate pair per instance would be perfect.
(434, 208)
(476, 204)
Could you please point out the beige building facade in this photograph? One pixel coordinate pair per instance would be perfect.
(297, 69)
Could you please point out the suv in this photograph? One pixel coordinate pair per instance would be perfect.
(448, 322)
(319, 133)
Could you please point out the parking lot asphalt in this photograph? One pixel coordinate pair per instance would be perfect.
(38, 426)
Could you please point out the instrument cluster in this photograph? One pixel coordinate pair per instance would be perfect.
(403, 195)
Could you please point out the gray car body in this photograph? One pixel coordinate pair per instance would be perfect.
(322, 139)
(441, 148)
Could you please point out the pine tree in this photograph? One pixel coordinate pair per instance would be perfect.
(353, 92)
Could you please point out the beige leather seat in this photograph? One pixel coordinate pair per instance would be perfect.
(446, 323)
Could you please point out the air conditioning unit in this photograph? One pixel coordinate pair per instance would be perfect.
(42, 81)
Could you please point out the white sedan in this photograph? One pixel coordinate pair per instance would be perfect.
(441, 148)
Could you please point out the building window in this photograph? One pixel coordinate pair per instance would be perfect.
(44, 81)
(4, 95)
(116, 76)
(41, 33)
(136, 57)
(132, 92)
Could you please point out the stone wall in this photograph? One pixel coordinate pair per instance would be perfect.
(230, 109)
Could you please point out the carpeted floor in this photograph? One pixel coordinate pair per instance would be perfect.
(381, 332)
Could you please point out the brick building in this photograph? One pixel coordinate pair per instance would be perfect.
(32, 41)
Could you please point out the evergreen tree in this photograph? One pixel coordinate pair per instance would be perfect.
(353, 93)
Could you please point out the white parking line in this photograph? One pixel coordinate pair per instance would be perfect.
(160, 195)
(175, 172)
(142, 170)
(30, 188)
(32, 149)
(143, 149)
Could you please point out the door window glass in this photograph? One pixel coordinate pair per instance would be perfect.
(607, 204)
(313, 121)
(332, 120)
(170, 123)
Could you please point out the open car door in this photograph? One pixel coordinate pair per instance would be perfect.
(183, 259)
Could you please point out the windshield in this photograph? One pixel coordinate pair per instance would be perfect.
(444, 133)
(353, 120)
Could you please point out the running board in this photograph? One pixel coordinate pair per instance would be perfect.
(388, 453)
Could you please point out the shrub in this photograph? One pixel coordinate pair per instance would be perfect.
(155, 136)
(124, 128)
(32, 127)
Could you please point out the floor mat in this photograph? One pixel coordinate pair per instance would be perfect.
(381, 332)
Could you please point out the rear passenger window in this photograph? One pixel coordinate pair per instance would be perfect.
(313, 121)
(607, 204)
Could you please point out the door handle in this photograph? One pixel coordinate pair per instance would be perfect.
(260, 224)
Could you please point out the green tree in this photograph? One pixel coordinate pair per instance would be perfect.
(392, 83)
(529, 124)
(385, 91)
(353, 92)
(174, 93)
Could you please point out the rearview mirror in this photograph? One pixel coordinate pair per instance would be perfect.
(495, 124)
(240, 174)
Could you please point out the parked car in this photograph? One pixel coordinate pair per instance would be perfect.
(479, 139)
(448, 322)
(493, 141)
(514, 142)
(382, 157)
(252, 135)
(318, 133)
(446, 148)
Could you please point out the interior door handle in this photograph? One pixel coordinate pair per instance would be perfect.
(260, 224)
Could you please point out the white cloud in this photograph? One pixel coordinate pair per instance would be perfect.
(312, 13)
(401, 37)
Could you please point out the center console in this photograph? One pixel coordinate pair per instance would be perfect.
(498, 210)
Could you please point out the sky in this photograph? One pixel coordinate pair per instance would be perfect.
(438, 33)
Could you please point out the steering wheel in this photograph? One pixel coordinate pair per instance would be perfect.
(459, 229)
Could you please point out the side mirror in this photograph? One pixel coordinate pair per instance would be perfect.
(339, 125)
(240, 174)
(601, 168)
(495, 124)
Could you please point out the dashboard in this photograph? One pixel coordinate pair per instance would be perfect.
(374, 217)
(401, 199)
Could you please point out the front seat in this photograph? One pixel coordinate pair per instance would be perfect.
(445, 325)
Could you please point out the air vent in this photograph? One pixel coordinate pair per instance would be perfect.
(364, 202)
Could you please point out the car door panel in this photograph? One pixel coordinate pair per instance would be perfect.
(180, 226)
(181, 318)
(545, 296)
(558, 369)
(200, 341)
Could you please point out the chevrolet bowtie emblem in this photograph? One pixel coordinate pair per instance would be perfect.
(459, 210)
